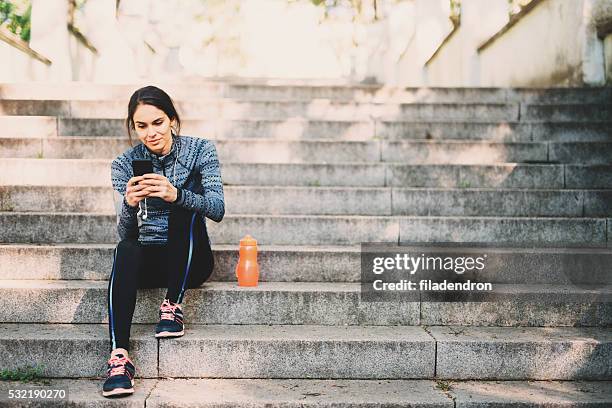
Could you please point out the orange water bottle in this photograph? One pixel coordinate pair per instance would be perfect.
(247, 270)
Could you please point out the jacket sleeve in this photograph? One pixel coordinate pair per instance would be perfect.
(211, 203)
(127, 222)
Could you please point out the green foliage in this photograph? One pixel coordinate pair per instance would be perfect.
(16, 17)
(443, 385)
(24, 374)
(464, 184)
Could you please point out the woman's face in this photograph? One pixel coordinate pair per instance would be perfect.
(153, 128)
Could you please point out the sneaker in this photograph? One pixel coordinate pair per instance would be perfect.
(120, 375)
(170, 320)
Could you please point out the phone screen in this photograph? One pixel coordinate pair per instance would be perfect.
(141, 167)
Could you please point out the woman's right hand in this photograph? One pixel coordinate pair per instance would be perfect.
(135, 193)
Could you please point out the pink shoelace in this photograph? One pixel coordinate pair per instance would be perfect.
(168, 310)
(117, 365)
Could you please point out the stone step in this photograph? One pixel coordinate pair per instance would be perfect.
(239, 200)
(310, 352)
(341, 201)
(96, 172)
(279, 151)
(582, 112)
(297, 128)
(238, 151)
(314, 393)
(363, 130)
(293, 128)
(298, 303)
(564, 266)
(596, 176)
(28, 126)
(496, 131)
(306, 90)
(299, 151)
(48, 228)
(235, 109)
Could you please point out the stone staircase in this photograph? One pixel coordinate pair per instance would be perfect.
(311, 171)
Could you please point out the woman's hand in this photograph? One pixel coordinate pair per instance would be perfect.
(134, 192)
(157, 185)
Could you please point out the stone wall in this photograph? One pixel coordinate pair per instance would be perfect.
(554, 44)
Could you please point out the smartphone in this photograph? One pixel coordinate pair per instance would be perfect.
(141, 167)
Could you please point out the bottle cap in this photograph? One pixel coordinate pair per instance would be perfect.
(248, 241)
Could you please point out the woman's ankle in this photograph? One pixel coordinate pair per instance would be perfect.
(119, 350)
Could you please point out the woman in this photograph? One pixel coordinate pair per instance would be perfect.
(161, 223)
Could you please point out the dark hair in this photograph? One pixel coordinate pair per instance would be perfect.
(151, 95)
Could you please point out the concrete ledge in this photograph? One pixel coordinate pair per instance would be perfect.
(261, 200)
(460, 152)
(292, 303)
(322, 230)
(280, 200)
(322, 352)
(536, 394)
(96, 173)
(446, 112)
(525, 353)
(242, 109)
(566, 113)
(213, 303)
(500, 131)
(313, 264)
(475, 176)
(526, 305)
(535, 231)
(293, 90)
(69, 350)
(28, 126)
(585, 176)
(499, 202)
(350, 352)
(302, 393)
(266, 150)
(581, 152)
(255, 393)
(85, 393)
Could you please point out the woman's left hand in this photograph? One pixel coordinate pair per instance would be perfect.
(159, 186)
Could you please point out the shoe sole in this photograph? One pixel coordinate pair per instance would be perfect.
(118, 391)
(170, 334)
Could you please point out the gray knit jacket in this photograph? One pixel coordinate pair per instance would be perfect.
(191, 165)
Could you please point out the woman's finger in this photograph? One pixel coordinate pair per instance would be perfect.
(134, 180)
(152, 182)
(161, 194)
(143, 193)
(156, 188)
(135, 188)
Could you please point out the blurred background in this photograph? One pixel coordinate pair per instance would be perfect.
(391, 42)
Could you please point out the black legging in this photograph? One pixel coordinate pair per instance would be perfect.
(185, 262)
